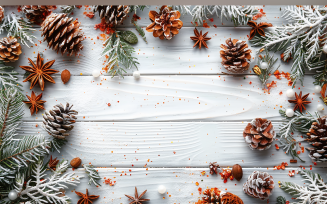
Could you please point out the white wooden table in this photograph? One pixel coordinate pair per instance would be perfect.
(165, 128)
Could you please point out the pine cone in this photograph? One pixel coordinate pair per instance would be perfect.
(10, 49)
(113, 14)
(165, 24)
(62, 33)
(37, 12)
(214, 168)
(229, 198)
(259, 185)
(211, 196)
(317, 137)
(259, 134)
(58, 121)
(2, 14)
(235, 56)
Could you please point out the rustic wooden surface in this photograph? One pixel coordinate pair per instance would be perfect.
(165, 128)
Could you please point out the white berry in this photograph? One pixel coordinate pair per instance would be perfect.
(320, 107)
(162, 189)
(317, 89)
(264, 65)
(136, 75)
(12, 195)
(324, 48)
(290, 93)
(289, 112)
(96, 73)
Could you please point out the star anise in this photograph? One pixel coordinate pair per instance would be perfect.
(258, 28)
(300, 101)
(200, 39)
(36, 103)
(39, 72)
(137, 199)
(86, 199)
(213, 168)
(53, 163)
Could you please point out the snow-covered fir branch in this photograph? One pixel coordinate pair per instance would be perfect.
(8, 77)
(41, 189)
(118, 55)
(68, 9)
(301, 39)
(17, 27)
(134, 8)
(183, 9)
(92, 174)
(314, 192)
(239, 15)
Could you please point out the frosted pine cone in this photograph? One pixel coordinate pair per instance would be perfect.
(58, 121)
(2, 13)
(165, 24)
(259, 185)
(235, 56)
(62, 33)
(113, 14)
(259, 134)
(37, 12)
(317, 138)
(10, 49)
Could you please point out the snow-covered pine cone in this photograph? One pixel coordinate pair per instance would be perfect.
(10, 49)
(165, 24)
(259, 134)
(58, 121)
(113, 14)
(37, 12)
(235, 56)
(62, 33)
(317, 138)
(259, 185)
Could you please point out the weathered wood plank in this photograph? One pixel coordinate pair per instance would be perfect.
(170, 98)
(166, 144)
(180, 184)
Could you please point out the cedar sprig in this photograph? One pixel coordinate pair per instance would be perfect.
(301, 39)
(118, 54)
(92, 174)
(266, 73)
(300, 122)
(314, 190)
(18, 27)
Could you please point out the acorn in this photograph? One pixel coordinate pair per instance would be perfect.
(65, 76)
(237, 172)
(75, 162)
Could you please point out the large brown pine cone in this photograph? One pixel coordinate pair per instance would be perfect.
(259, 185)
(235, 56)
(259, 134)
(317, 137)
(10, 49)
(37, 12)
(216, 196)
(211, 195)
(62, 33)
(58, 121)
(2, 14)
(165, 24)
(113, 14)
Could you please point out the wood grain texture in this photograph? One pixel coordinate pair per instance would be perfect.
(180, 184)
(171, 98)
(168, 144)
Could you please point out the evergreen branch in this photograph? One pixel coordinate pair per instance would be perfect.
(136, 7)
(118, 55)
(92, 174)
(266, 73)
(68, 9)
(183, 9)
(314, 192)
(281, 200)
(139, 30)
(17, 27)
(46, 190)
(8, 77)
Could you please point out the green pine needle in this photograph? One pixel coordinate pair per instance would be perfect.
(139, 30)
